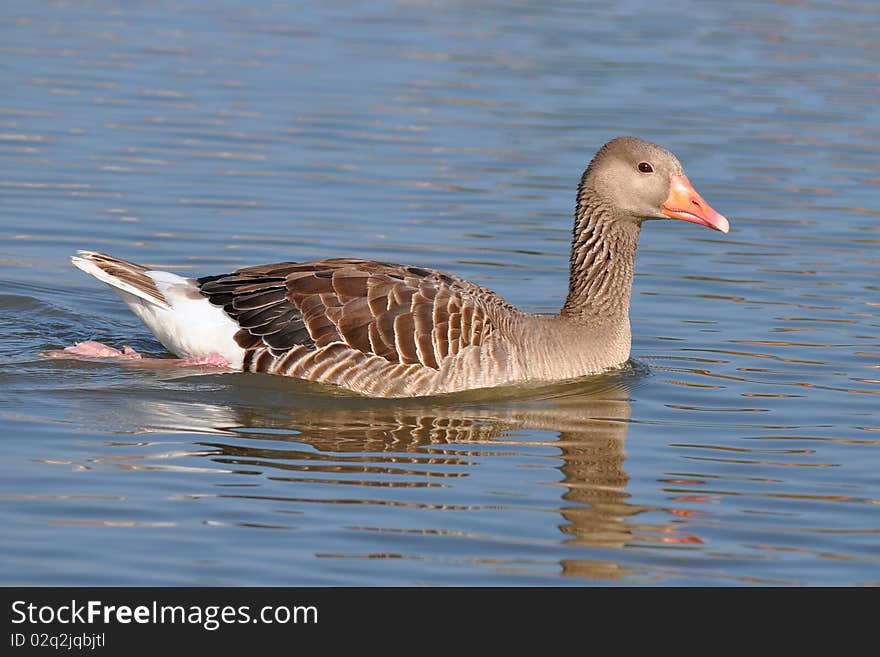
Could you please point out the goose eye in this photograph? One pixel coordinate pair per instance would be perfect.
(644, 167)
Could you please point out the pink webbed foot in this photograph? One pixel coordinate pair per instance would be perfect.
(211, 360)
(99, 351)
(91, 349)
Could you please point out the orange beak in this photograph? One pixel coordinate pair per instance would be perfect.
(684, 203)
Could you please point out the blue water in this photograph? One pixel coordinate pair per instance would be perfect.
(740, 447)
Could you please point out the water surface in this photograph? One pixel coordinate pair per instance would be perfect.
(741, 445)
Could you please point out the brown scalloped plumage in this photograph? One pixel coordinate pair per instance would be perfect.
(320, 319)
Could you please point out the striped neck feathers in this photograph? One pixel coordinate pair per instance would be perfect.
(602, 261)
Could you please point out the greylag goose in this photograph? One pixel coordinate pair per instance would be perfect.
(387, 330)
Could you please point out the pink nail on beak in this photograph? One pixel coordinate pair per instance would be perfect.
(684, 203)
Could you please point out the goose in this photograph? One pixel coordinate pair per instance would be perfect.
(389, 330)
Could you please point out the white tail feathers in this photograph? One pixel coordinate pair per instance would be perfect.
(170, 305)
(112, 272)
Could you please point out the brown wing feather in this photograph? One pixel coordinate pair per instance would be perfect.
(405, 315)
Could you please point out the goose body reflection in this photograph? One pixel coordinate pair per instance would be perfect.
(365, 455)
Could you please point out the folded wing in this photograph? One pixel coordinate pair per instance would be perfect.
(405, 315)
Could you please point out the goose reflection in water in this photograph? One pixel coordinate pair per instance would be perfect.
(319, 442)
